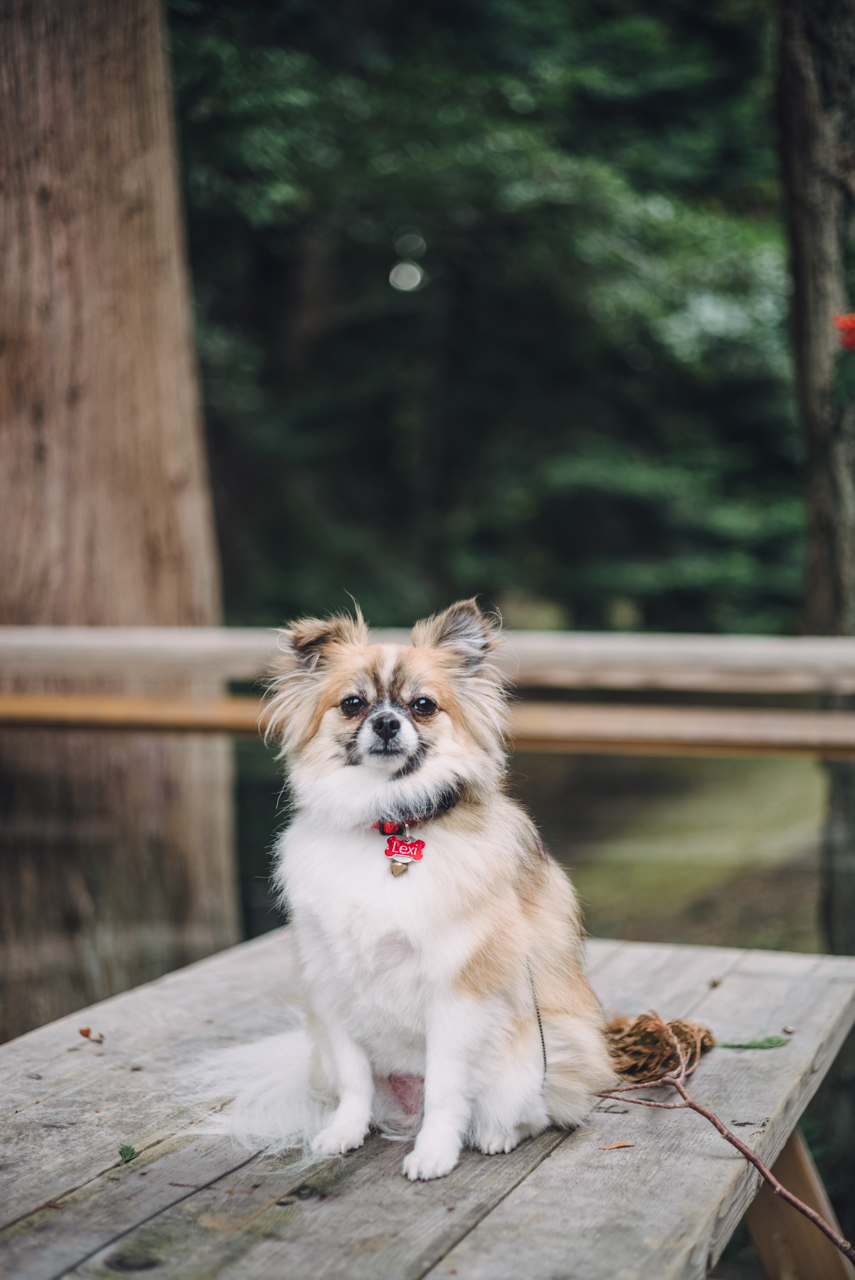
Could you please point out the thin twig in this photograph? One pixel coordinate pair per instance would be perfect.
(675, 1080)
(843, 1245)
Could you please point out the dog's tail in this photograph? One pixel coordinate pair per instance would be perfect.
(275, 1093)
(578, 1065)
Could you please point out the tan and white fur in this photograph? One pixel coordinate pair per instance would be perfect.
(430, 976)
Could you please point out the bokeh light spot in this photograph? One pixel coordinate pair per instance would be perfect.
(409, 243)
(406, 276)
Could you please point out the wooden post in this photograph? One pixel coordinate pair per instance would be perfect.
(790, 1247)
(115, 850)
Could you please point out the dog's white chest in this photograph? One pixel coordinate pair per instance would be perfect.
(377, 984)
(367, 939)
(382, 967)
(391, 952)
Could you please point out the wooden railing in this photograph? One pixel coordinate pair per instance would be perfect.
(594, 729)
(154, 657)
(532, 659)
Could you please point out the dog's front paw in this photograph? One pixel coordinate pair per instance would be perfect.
(431, 1160)
(336, 1139)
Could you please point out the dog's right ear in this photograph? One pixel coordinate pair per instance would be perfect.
(303, 649)
(306, 642)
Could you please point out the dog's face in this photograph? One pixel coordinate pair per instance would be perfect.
(427, 713)
(395, 710)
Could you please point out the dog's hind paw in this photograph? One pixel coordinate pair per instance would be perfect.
(496, 1141)
(430, 1162)
(335, 1140)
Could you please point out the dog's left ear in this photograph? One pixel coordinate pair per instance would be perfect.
(462, 628)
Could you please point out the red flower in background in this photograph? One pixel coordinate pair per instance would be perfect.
(846, 327)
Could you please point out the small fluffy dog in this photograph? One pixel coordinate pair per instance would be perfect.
(439, 943)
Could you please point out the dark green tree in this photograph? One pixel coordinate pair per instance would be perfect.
(582, 410)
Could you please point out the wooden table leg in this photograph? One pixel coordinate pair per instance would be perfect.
(790, 1247)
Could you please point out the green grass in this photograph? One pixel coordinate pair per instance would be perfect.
(720, 852)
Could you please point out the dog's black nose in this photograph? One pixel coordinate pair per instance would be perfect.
(386, 727)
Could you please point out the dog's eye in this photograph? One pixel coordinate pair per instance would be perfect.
(352, 706)
(423, 706)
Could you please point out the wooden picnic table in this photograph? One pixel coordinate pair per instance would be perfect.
(190, 1204)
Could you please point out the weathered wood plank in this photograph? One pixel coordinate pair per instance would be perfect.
(759, 664)
(644, 730)
(68, 1229)
(93, 1098)
(667, 1205)
(671, 979)
(116, 711)
(370, 1222)
(599, 951)
(356, 1218)
(201, 1000)
(181, 1006)
(78, 1102)
(546, 727)
(151, 654)
(723, 664)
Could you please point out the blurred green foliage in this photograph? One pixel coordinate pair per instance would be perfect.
(584, 410)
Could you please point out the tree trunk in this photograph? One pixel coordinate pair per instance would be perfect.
(816, 97)
(816, 107)
(115, 849)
